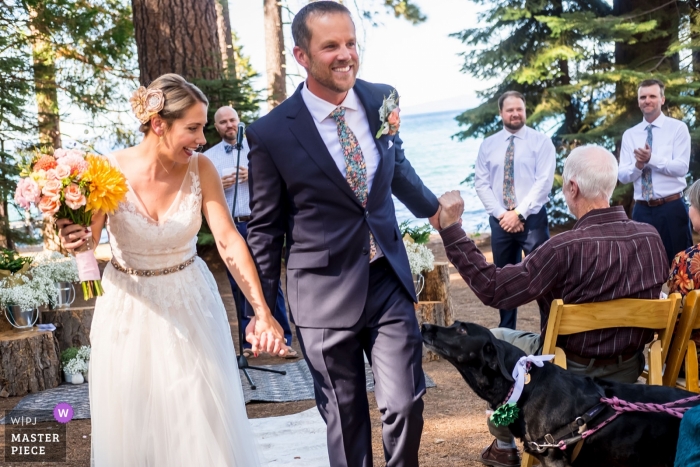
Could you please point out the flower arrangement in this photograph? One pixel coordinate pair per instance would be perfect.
(34, 284)
(58, 267)
(420, 258)
(71, 184)
(76, 360)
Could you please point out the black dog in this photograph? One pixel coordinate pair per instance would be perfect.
(554, 398)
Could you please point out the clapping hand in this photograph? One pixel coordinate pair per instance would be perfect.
(642, 155)
(451, 209)
(266, 335)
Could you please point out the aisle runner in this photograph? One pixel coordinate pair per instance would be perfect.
(293, 440)
(296, 385)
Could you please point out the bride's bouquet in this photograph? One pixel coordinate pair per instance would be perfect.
(71, 184)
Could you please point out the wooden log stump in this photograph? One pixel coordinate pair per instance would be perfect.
(437, 289)
(72, 325)
(431, 313)
(29, 361)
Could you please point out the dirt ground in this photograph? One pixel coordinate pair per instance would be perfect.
(455, 429)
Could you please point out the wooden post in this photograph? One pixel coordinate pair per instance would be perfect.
(432, 313)
(28, 362)
(437, 289)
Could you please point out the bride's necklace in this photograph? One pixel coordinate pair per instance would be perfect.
(161, 164)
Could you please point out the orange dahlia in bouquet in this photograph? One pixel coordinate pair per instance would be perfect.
(71, 184)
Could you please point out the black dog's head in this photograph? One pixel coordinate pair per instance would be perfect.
(484, 362)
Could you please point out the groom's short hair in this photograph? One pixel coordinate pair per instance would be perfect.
(300, 29)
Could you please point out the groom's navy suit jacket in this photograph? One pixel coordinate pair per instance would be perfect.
(296, 189)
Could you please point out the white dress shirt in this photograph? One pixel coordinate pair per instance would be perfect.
(356, 119)
(670, 156)
(217, 154)
(534, 162)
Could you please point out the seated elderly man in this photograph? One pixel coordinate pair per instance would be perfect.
(605, 256)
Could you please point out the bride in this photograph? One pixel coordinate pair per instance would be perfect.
(164, 384)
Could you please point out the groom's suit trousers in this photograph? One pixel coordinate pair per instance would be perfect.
(388, 334)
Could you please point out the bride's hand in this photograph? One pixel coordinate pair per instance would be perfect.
(266, 335)
(72, 235)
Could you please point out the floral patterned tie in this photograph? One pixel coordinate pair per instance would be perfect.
(509, 176)
(355, 168)
(647, 187)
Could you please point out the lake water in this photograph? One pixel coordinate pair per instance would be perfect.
(441, 162)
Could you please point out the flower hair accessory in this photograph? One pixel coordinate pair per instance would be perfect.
(389, 116)
(146, 103)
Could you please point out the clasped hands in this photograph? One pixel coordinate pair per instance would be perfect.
(229, 180)
(264, 334)
(452, 207)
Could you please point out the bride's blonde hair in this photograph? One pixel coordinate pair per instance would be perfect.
(179, 95)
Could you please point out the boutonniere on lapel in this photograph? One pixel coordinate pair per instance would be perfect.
(389, 116)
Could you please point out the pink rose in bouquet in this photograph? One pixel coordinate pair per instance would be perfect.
(28, 193)
(62, 171)
(74, 196)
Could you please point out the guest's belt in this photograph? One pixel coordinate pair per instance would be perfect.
(600, 361)
(241, 218)
(658, 202)
(152, 272)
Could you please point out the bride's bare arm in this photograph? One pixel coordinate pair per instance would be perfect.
(74, 235)
(234, 251)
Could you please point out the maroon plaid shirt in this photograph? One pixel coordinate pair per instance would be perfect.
(604, 257)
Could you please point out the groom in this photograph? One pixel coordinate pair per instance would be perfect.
(319, 176)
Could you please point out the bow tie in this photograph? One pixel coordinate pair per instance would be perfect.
(228, 148)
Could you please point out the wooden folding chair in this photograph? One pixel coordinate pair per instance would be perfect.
(682, 347)
(659, 315)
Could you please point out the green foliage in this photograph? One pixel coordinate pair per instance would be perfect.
(420, 235)
(11, 260)
(69, 354)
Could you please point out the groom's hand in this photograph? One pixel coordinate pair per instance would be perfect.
(265, 335)
(452, 207)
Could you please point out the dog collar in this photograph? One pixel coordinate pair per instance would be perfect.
(508, 412)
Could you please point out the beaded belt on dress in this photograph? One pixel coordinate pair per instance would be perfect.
(152, 272)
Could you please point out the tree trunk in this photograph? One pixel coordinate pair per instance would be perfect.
(72, 326)
(274, 54)
(45, 90)
(437, 289)
(46, 93)
(177, 36)
(431, 313)
(29, 362)
(223, 27)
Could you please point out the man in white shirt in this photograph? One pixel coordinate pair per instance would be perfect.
(223, 155)
(654, 156)
(513, 178)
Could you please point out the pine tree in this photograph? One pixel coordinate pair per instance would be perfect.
(579, 63)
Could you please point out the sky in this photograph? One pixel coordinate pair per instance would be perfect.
(420, 61)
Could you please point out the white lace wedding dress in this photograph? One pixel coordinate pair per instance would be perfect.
(164, 383)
